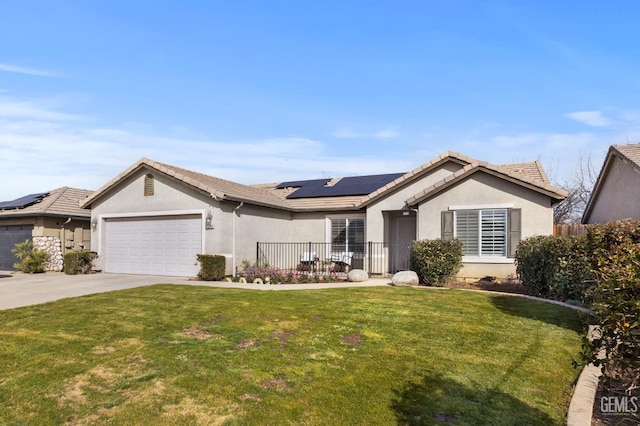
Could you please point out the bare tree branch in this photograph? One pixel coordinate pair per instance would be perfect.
(579, 186)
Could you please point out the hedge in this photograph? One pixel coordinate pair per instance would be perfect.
(555, 267)
(615, 257)
(436, 261)
(78, 262)
(602, 269)
(212, 267)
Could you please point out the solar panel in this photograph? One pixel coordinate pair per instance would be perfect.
(301, 183)
(22, 202)
(355, 185)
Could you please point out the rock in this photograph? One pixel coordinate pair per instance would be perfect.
(357, 275)
(405, 278)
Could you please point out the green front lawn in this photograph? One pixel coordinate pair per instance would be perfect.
(199, 355)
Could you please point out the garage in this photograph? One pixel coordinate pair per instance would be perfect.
(10, 235)
(165, 245)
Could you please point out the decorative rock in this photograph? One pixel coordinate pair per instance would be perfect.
(52, 246)
(357, 275)
(405, 278)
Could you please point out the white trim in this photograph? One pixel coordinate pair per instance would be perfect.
(487, 259)
(154, 213)
(102, 217)
(347, 216)
(328, 225)
(329, 217)
(482, 207)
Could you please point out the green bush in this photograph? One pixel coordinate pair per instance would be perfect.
(615, 249)
(555, 267)
(436, 261)
(212, 267)
(78, 262)
(31, 260)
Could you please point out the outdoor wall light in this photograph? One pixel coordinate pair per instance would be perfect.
(208, 221)
(94, 223)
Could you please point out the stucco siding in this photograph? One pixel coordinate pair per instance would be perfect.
(254, 224)
(168, 195)
(483, 189)
(619, 195)
(397, 200)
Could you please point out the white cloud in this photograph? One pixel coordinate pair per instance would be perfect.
(10, 108)
(385, 134)
(590, 118)
(28, 71)
(517, 140)
(347, 133)
(42, 149)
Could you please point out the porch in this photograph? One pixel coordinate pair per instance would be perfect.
(376, 258)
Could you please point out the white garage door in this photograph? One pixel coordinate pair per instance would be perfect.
(165, 245)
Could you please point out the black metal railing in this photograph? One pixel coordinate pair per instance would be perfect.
(377, 258)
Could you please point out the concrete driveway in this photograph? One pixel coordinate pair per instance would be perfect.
(18, 289)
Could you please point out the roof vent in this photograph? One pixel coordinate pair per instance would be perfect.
(332, 182)
(148, 185)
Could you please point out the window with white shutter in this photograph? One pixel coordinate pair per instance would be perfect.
(483, 232)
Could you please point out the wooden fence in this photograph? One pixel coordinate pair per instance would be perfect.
(570, 229)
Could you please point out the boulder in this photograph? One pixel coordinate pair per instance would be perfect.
(357, 275)
(405, 278)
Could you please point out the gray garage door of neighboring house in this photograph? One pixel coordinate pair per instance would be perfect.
(165, 245)
(9, 237)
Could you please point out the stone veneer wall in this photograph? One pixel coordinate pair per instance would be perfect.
(53, 246)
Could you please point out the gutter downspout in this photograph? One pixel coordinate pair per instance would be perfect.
(63, 243)
(233, 237)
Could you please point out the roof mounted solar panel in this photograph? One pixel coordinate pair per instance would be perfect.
(359, 185)
(302, 183)
(22, 202)
(356, 185)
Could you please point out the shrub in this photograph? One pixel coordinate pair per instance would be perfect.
(436, 261)
(212, 267)
(275, 275)
(615, 249)
(31, 260)
(78, 262)
(555, 267)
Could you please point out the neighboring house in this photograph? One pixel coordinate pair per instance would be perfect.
(154, 218)
(53, 220)
(616, 194)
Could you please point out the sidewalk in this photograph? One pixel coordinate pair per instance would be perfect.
(18, 289)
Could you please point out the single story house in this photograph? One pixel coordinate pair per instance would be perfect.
(53, 220)
(616, 194)
(154, 218)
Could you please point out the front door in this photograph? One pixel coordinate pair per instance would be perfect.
(402, 234)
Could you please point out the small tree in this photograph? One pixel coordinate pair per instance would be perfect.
(31, 260)
(579, 186)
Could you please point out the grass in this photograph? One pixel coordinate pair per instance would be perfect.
(199, 355)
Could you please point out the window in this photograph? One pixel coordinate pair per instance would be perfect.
(148, 185)
(347, 235)
(484, 232)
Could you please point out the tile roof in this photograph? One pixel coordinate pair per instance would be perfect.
(417, 173)
(532, 170)
(60, 202)
(504, 172)
(275, 194)
(629, 154)
(217, 188)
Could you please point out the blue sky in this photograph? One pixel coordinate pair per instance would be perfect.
(265, 91)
